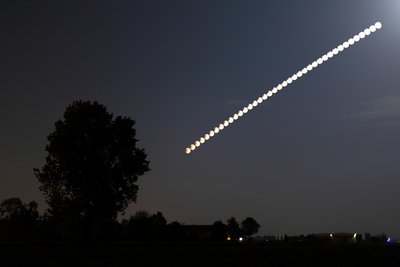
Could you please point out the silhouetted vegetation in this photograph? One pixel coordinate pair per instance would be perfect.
(249, 227)
(233, 228)
(18, 220)
(91, 170)
(145, 227)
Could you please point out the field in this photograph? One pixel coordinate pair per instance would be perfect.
(279, 254)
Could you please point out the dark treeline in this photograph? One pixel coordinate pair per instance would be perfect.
(20, 222)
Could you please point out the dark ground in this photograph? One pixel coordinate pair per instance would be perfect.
(283, 254)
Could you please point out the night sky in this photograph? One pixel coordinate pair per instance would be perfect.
(322, 155)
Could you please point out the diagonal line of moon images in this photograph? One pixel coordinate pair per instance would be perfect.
(350, 42)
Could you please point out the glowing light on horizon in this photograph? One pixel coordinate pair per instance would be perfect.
(290, 80)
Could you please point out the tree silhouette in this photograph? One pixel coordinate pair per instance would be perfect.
(145, 227)
(92, 165)
(233, 228)
(17, 219)
(17, 212)
(249, 226)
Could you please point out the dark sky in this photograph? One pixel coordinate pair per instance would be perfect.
(322, 155)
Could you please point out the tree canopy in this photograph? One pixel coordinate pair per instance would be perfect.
(233, 228)
(92, 165)
(17, 212)
(249, 226)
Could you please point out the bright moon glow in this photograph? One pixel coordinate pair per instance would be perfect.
(350, 42)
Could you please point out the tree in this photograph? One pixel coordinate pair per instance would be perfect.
(233, 228)
(92, 165)
(144, 227)
(249, 226)
(158, 220)
(18, 220)
(17, 212)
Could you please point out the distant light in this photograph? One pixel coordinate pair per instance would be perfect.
(228, 238)
(331, 235)
(241, 239)
(355, 235)
(291, 79)
(389, 240)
